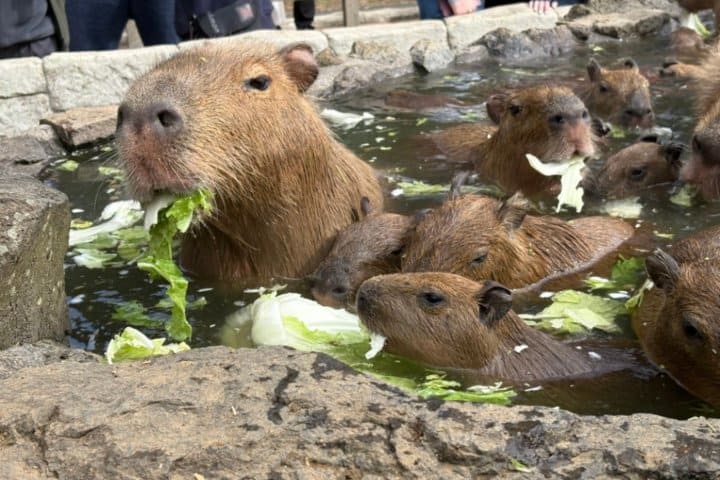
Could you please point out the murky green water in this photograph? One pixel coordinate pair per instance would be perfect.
(389, 143)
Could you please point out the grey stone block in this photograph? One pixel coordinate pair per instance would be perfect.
(21, 76)
(22, 113)
(402, 35)
(80, 126)
(282, 38)
(35, 220)
(91, 79)
(431, 56)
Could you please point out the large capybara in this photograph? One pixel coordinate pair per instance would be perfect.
(549, 122)
(447, 320)
(233, 119)
(638, 167)
(371, 246)
(703, 167)
(482, 238)
(620, 96)
(678, 320)
(686, 43)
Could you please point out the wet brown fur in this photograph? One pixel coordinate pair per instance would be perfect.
(472, 327)
(678, 321)
(369, 247)
(483, 238)
(283, 185)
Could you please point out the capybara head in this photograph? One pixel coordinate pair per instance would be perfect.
(179, 123)
(678, 321)
(436, 318)
(637, 167)
(703, 168)
(620, 96)
(549, 122)
(371, 246)
(686, 42)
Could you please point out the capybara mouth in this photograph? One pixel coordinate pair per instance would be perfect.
(147, 182)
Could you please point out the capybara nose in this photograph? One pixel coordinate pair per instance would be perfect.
(707, 148)
(161, 118)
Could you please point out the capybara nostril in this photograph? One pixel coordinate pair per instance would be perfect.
(339, 292)
(164, 118)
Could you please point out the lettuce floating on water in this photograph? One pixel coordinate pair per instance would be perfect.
(436, 385)
(117, 215)
(132, 344)
(574, 312)
(629, 207)
(68, 166)
(685, 196)
(570, 177)
(417, 188)
(170, 221)
(345, 120)
(634, 302)
(692, 21)
(625, 275)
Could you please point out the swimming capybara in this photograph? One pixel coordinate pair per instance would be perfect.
(687, 71)
(371, 246)
(620, 96)
(419, 101)
(233, 119)
(686, 43)
(482, 238)
(447, 320)
(678, 320)
(549, 122)
(703, 167)
(635, 168)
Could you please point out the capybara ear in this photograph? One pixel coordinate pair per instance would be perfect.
(662, 269)
(365, 206)
(512, 211)
(594, 70)
(457, 182)
(300, 65)
(495, 301)
(496, 106)
(672, 152)
(630, 64)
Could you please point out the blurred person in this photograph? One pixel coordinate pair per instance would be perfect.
(98, 24)
(218, 18)
(304, 14)
(32, 28)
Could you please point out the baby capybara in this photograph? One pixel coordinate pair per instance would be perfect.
(620, 96)
(482, 238)
(233, 119)
(447, 320)
(371, 246)
(703, 167)
(635, 168)
(678, 320)
(549, 122)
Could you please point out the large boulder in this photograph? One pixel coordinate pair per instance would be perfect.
(34, 223)
(275, 413)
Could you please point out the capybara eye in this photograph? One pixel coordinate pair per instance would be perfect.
(261, 82)
(479, 259)
(585, 115)
(515, 109)
(604, 88)
(557, 119)
(397, 252)
(432, 299)
(689, 329)
(637, 174)
(339, 290)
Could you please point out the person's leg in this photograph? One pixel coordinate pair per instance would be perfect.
(429, 9)
(304, 14)
(155, 20)
(96, 24)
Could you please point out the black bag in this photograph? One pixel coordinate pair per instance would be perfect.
(239, 16)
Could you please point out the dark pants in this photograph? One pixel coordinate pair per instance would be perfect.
(98, 24)
(35, 48)
(304, 14)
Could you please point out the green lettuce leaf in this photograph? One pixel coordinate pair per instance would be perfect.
(131, 344)
(577, 312)
(626, 274)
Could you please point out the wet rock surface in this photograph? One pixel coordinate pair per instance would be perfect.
(625, 25)
(530, 44)
(431, 56)
(34, 222)
(81, 126)
(276, 413)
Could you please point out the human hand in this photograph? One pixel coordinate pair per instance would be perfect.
(543, 6)
(460, 7)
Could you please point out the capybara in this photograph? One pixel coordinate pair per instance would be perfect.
(673, 68)
(678, 320)
(482, 238)
(620, 96)
(447, 320)
(703, 167)
(371, 246)
(549, 122)
(234, 119)
(635, 168)
(686, 43)
(419, 101)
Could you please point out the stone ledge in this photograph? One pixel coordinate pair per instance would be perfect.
(21, 76)
(401, 35)
(19, 114)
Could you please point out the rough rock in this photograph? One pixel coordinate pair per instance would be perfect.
(402, 35)
(92, 79)
(465, 30)
(633, 23)
(30, 152)
(328, 57)
(33, 241)
(280, 39)
(276, 413)
(618, 6)
(363, 74)
(378, 52)
(41, 353)
(474, 54)
(22, 113)
(21, 76)
(431, 56)
(531, 44)
(80, 126)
